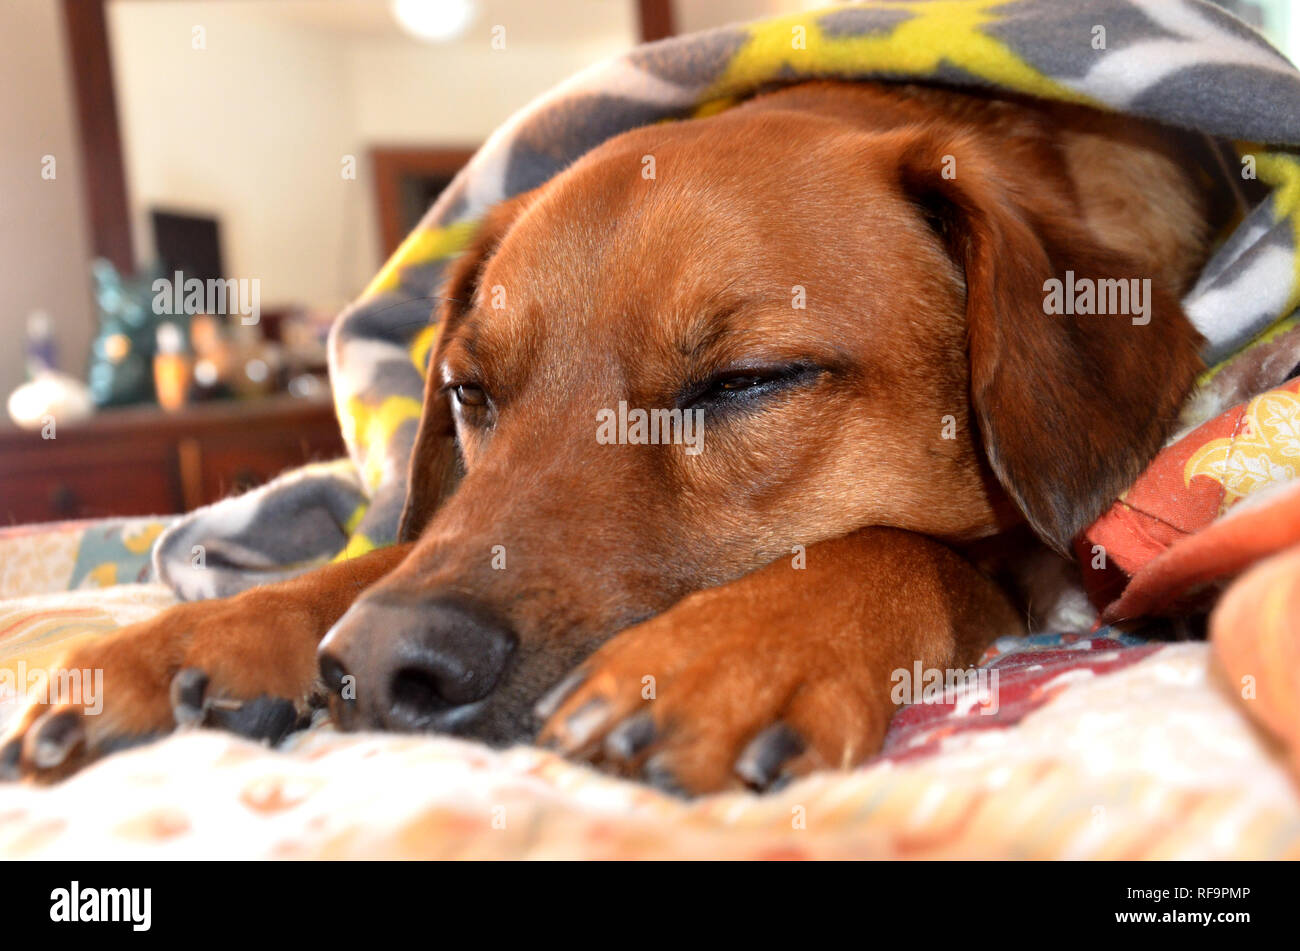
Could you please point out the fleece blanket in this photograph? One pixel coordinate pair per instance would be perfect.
(1183, 62)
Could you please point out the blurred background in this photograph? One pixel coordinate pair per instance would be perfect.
(290, 143)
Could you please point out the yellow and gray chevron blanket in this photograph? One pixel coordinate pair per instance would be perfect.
(1184, 62)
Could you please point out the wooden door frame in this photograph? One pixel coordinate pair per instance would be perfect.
(85, 28)
(655, 18)
(390, 163)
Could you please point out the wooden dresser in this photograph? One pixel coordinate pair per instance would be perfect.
(143, 461)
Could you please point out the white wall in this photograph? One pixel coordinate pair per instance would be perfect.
(254, 127)
(44, 244)
(407, 94)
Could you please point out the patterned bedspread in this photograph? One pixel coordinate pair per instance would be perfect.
(1098, 746)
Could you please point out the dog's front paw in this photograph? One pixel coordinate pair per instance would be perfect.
(212, 663)
(694, 701)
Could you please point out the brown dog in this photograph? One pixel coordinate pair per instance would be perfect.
(767, 584)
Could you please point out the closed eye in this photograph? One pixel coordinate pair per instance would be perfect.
(744, 386)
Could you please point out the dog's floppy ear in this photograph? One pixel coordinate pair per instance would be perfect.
(1070, 408)
(435, 467)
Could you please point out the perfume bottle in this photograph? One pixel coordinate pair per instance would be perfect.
(48, 397)
(173, 368)
(39, 345)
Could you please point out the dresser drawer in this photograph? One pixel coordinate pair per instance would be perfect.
(216, 466)
(141, 461)
(69, 485)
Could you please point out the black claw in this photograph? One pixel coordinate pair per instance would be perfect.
(189, 690)
(57, 734)
(781, 781)
(11, 755)
(760, 763)
(631, 736)
(264, 718)
(117, 744)
(658, 774)
(551, 701)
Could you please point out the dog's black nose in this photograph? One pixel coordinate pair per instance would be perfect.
(417, 666)
(454, 656)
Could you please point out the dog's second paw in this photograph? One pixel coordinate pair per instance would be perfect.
(212, 663)
(695, 702)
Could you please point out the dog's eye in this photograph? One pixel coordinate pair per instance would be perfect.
(737, 383)
(736, 386)
(467, 394)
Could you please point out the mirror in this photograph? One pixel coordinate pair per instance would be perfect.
(310, 136)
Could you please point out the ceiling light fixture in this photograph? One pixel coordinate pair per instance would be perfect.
(437, 21)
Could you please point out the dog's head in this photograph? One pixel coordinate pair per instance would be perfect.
(835, 332)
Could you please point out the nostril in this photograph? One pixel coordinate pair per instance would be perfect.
(451, 661)
(332, 673)
(415, 693)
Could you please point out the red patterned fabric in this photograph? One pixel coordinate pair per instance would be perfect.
(1151, 554)
(1028, 676)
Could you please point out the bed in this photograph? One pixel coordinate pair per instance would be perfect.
(1100, 746)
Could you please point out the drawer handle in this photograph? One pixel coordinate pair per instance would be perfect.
(246, 479)
(63, 500)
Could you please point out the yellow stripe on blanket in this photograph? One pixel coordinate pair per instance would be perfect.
(355, 518)
(369, 430)
(938, 33)
(421, 247)
(358, 543)
(1283, 173)
(357, 546)
(422, 346)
